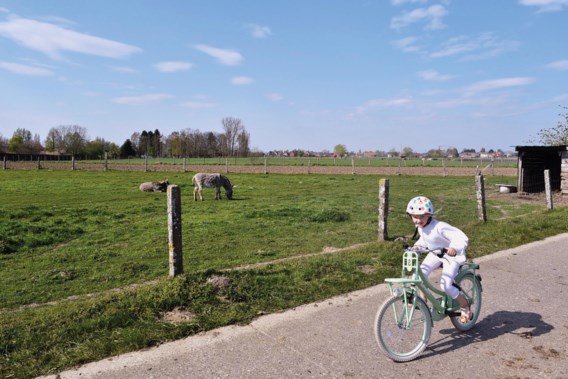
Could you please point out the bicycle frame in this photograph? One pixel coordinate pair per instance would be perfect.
(412, 278)
(404, 322)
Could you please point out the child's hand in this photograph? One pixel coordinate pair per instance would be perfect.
(451, 252)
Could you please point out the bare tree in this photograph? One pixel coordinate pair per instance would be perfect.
(243, 140)
(232, 127)
(75, 139)
(558, 135)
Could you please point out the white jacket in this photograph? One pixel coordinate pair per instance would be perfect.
(440, 234)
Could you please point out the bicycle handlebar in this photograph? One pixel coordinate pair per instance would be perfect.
(423, 250)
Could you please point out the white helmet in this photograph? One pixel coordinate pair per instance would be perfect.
(420, 205)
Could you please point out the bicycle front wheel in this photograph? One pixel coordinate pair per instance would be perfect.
(403, 329)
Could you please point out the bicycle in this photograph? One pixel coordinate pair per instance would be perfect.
(404, 322)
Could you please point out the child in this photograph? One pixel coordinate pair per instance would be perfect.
(434, 235)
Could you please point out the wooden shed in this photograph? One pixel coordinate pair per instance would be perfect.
(533, 160)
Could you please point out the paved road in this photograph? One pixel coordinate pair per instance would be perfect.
(522, 332)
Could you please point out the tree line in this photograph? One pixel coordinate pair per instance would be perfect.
(73, 140)
(234, 141)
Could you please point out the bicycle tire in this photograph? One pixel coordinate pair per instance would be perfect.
(471, 288)
(397, 342)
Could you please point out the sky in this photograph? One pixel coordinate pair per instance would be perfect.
(373, 75)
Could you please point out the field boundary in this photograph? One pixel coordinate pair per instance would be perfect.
(260, 169)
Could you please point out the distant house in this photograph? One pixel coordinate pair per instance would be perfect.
(533, 160)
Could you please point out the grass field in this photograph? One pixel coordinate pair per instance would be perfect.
(70, 239)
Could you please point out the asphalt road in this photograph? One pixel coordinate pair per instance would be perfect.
(522, 332)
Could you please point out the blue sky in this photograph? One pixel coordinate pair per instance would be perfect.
(306, 74)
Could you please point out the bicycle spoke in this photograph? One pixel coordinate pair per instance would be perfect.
(402, 330)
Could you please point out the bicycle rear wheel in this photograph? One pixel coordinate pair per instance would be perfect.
(402, 330)
(471, 289)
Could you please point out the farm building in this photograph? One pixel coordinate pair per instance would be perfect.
(533, 160)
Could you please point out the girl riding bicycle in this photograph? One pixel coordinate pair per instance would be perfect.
(436, 234)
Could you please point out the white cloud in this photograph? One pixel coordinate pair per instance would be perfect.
(558, 65)
(274, 97)
(52, 40)
(434, 75)
(258, 31)
(23, 69)
(199, 102)
(407, 44)
(401, 2)
(382, 103)
(489, 85)
(224, 56)
(546, 5)
(241, 80)
(433, 14)
(124, 69)
(142, 99)
(482, 46)
(173, 66)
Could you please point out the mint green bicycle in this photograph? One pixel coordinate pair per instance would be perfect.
(404, 321)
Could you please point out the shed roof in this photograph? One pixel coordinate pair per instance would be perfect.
(542, 148)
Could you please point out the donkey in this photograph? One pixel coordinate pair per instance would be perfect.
(201, 180)
(161, 186)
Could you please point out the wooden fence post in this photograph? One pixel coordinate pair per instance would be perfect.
(265, 166)
(73, 163)
(383, 208)
(352, 166)
(480, 184)
(145, 163)
(174, 230)
(443, 167)
(547, 189)
(4, 162)
(106, 161)
(38, 163)
(184, 164)
(226, 165)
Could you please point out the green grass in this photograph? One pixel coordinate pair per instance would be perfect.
(67, 234)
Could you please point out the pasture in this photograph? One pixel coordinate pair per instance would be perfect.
(84, 254)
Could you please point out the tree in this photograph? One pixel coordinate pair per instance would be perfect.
(407, 152)
(143, 142)
(3, 144)
(340, 150)
(54, 141)
(558, 135)
(232, 127)
(157, 143)
(23, 142)
(435, 153)
(98, 147)
(70, 139)
(243, 142)
(75, 139)
(452, 152)
(127, 150)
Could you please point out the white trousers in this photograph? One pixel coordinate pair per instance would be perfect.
(451, 265)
